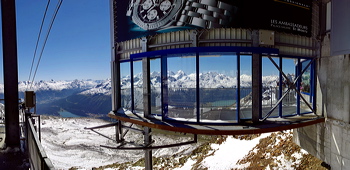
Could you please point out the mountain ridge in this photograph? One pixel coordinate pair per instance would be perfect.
(86, 97)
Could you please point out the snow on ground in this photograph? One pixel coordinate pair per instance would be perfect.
(68, 144)
(228, 153)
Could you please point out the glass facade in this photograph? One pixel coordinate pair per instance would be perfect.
(216, 87)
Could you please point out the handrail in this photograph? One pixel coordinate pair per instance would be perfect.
(37, 156)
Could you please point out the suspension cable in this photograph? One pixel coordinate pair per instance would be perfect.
(37, 41)
(47, 36)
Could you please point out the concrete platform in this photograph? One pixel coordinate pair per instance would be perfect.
(270, 125)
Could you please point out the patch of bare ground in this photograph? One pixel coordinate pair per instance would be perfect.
(274, 150)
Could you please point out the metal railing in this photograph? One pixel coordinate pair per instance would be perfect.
(37, 156)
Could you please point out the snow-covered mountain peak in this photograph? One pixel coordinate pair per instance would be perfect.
(178, 79)
(104, 88)
(171, 73)
(180, 74)
(53, 85)
(155, 74)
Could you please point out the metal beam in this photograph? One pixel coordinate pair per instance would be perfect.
(121, 147)
(148, 152)
(256, 79)
(9, 39)
(146, 104)
(115, 57)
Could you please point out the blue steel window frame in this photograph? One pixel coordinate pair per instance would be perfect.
(298, 70)
(163, 54)
(312, 81)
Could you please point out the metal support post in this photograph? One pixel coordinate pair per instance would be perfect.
(116, 99)
(257, 87)
(115, 64)
(298, 84)
(256, 80)
(146, 104)
(146, 81)
(148, 152)
(238, 92)
(164, 90)
(198, 108)
(280, 88)
(9, 39)
(132, 90)
(119, 132)
(146, 87)
(115, 72)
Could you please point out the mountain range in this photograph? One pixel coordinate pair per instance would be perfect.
(93, 97)
(180, 79)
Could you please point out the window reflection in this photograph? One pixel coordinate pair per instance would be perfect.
(182, 87)
(270, 86)
(245, 87)
(289, 102)
(218, 87)
(221, 90)
(125, 85)
(156, 102)
(138, 86)
(305, 86)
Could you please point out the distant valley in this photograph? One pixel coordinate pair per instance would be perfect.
(55, 96)
(92, 98)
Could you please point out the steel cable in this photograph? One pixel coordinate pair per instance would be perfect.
(37, 41)
(46, 38)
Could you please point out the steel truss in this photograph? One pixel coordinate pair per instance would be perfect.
(145, 146)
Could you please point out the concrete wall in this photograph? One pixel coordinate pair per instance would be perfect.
(330, 141)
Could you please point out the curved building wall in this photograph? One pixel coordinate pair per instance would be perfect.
(296, 45)
(288, 44)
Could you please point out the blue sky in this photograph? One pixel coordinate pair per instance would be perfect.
(79, 43)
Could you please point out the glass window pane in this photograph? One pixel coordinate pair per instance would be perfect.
(270, 86)
(289, 101)
(138, 86)
(246, 87)
(125, 85)
(305, 87)
(156, 102)
(182, 87)
(218, 87)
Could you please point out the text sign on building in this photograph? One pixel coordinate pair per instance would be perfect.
(139, 18)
